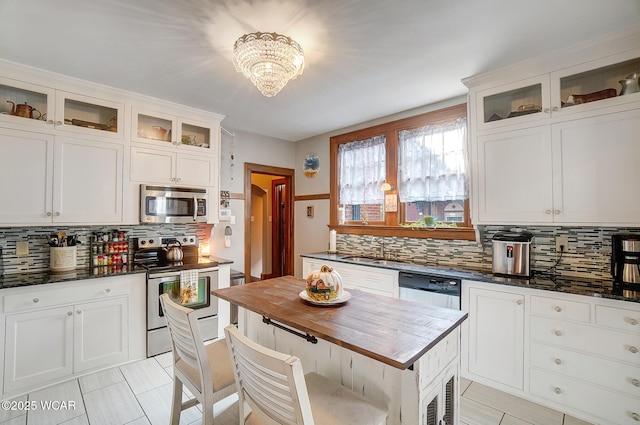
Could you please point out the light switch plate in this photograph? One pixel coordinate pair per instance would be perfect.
(22, 248)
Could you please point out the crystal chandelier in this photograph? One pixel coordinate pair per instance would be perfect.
(269, 60)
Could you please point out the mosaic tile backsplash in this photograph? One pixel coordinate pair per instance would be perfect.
(589, 253)
(38, 258)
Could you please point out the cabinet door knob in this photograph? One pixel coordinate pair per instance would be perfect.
(49, 121)
(78, 311)
(558, 309)
(547, 212)
(519, 302)
(635, 417)
(635, 382)
(555, 108)
(178, 179)
(546, 110)
(36, 300)
(58, 122)
(633, 349)
(69, 313)
(48, 213)
(633, 322)
(57, 214)
(557, 212)
(558, 333)
(557, 390)
(106, 291)
(558, 361)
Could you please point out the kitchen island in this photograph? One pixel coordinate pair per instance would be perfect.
(399, 354)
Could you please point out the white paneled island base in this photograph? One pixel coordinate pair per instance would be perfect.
(401, 355)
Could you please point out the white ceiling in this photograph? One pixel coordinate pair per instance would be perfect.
(365, 59)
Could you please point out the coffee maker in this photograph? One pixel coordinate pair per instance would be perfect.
(625, 258)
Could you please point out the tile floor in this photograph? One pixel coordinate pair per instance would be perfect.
(139, 394)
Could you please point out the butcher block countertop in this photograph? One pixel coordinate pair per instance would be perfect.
(392, 331)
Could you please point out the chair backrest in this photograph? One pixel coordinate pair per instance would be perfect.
(185, 336)
(271, 383)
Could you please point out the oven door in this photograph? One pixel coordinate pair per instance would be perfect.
(194, 297)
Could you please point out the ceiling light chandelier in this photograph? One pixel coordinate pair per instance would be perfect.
(269, 60)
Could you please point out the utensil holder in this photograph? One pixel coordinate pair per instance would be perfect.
(63, 258)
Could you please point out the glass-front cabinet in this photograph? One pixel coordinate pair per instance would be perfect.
(160, 128)
(40, 107)
(25, 104)
(523, 101)
(88, 115)
(606, 82)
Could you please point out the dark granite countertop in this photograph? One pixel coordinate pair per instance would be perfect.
(602, 288)
(15, 280)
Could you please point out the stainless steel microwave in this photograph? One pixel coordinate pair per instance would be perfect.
(169, 204)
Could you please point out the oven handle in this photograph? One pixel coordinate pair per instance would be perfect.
(177, 273)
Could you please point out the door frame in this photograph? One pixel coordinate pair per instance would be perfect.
(289, 175)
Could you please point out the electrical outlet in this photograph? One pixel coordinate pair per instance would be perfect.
(562, 241)
(22, 248)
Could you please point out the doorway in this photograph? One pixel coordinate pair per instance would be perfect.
(268, 194)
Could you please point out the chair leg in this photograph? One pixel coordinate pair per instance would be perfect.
(176, 403)
(207, 409)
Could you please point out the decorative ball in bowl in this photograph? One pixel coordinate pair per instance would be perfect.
(324, 285)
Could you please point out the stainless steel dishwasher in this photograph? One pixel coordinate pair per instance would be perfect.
(431, 290)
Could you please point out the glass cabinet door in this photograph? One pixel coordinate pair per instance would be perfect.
(88, 115)
(605, 82)
(153, 127)
(195, 135)
(25, 104)
(514, 103)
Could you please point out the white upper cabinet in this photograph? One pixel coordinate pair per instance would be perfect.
(582, 88)
(167, 129)
(59, 180)
(30, 106)
(554, 140)
(515, 103)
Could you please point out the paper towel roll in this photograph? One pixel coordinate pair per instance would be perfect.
(332, 241)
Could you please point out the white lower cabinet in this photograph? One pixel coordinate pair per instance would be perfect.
(70, 328)
(579, 355)
(375, 280)
(45, 345)
(495, 336)
(439, 406)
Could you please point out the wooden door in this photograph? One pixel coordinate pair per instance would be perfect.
(280, 223)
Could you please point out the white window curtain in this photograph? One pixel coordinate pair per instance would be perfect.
(362, 166)
(432, 163)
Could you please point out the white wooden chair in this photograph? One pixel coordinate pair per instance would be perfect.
(273, 385)
(205, 370)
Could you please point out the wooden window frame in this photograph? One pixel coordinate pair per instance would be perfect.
(391, 225)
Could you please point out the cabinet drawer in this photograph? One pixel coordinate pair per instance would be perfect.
(617, 345)
(376, 279)
(561, 309)
(618, 318)
(94, 289)
(599, 402)
(437, 358)
(617, 376)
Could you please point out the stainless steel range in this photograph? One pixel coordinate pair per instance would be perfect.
(188, 282)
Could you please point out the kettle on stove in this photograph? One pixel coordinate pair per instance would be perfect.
(173, 251)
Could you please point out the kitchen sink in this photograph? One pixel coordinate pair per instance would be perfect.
(388, 262)
(359, 258)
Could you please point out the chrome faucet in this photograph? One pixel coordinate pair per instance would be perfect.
(381, 243)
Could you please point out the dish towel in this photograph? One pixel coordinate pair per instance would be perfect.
(188, 286)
